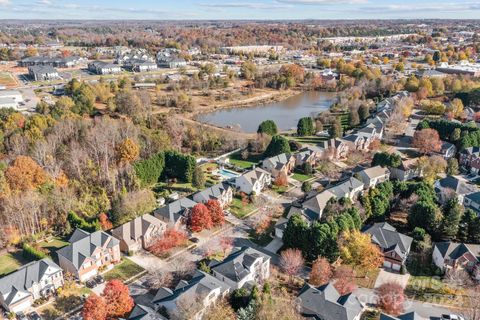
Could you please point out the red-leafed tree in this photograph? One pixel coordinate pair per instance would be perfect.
(216, 212)
(117, 298)
(226, 243)
(344, 279)
(171, 238)
(200, 218)
(427, 141)
(321, 272)
(291, 261)
(390, 298)
(104, 221)
(94, 308)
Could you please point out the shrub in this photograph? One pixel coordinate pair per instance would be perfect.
(32, 253)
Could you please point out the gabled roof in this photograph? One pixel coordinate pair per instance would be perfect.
(214, 192)
(254, 175)
(317, 203)
(471, 151)
(453, 250)
(277, 162)
(141, 312)
(174, 210)
(136, 228)
(457, 185)
(375, 172)
(405, 316)
(83, 244)
(474, 197)
(387, 238)
(24, 278)
(326, 303)
(237, 265)
(342, 189)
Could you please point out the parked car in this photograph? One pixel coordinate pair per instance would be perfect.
(99, 279)
(34, 316)
(451, 317)
(194, 240)
(91, 283)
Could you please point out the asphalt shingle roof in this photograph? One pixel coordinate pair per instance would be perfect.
(387, 237)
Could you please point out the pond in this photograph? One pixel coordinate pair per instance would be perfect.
(285, 113)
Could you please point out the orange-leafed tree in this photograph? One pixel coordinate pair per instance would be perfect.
(118, 300)
(25, 174)
(321, 272)
(171, 239)
(105, 221)
(226, 243)
(427, 141)
(390, 298)
(200, 218)
(344, 279)
(281, 180)
(357, 250)
(216, 212)
(94, 308)
(128, 150)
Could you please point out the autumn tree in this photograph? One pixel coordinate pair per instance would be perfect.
(216, 212)
(128, 151)
(117, 298)
(200, 218)
(427, 141)
(281, 180)
(344, 279)
(291, 262)
(226, 243)
(104, 221)
(321, 272)
(25, 174)
(357, 249)
(94, 308)
(390, 298)
(220, 311)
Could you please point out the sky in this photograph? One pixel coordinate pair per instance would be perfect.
(238, 9)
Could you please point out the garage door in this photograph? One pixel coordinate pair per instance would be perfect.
(387, 264)
(88, 275)
(21, 307)
(396, 267)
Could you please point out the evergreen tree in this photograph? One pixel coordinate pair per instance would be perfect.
(268, 127)
(452, 166)
(305, 127)
(336, 129)
(278, 145)
(452, 214)
(306, 187)
(198, 180)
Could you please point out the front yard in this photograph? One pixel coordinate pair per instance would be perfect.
(301, 177)
(69, 297)
(240, 209)
(434, 290)
(124, 270)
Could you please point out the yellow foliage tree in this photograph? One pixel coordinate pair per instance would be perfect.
(128, 151)
(25, 174)
(357, 250)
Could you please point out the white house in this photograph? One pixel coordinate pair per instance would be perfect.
(253, 181)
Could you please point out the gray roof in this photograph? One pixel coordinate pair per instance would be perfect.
(237, 265)
(345, 187)
(278, 162)
(24, 278)
(457, 185)
(254, 175)
(42, 69)
(474, 197)
(405, 316)
(83, 244)
(387, 238)
(317, 203)
(214, 192)
(136, 228)
(326, 303)
(141, 312)
(375, 172)
(471, 151)
(453, 250)
(175, 210)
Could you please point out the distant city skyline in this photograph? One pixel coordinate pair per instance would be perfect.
(238, 9)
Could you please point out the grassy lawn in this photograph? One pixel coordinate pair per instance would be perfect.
(67, 300)
(53, 245)
(239, 209)
(433, 289)
(369, 280)
(11, 261)
(161, 187)
(308, 140)
(301, 177)
(236, 160)
(279, 189)
(124, 270)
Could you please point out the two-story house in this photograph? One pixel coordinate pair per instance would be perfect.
(223, 192)
(245, 266)
(139, 233)
(394, 245)
(89, 253)
(19, 289)
(176, 212)
(452, 186)
(407, 170)
(253, 181)
(283, 163)
(472, 201)
(469, 158)
(356, 142)
(373, 176)
(452, 255)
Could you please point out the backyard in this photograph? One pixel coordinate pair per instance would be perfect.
(252, 159)
(10, 262)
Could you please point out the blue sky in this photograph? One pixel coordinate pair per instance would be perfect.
(238, 9)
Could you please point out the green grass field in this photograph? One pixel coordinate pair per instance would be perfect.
(240, 210)
(53, 245)
(11, 261)
(236, 160)
(301, 177)
(124, 270)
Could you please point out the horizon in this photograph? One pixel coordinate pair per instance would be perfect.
(251, 10)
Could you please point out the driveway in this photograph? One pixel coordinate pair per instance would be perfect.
(389, 277)
(148, 261)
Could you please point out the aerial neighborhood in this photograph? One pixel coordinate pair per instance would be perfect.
(218, 170)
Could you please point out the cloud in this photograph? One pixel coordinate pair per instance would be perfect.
(424, 7)
(322, 2)
(44, 2)
(247, 5)
(4, 2)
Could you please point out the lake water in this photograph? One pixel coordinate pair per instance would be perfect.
(285, 113)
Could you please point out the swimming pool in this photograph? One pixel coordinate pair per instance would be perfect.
(227, 174)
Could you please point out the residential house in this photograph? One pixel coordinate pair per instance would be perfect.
(394, 245)
(452, 186)
(447, 150)
(88, 254)
(373, 176)
(176, 212)
(193, 296)
(139, 233)
(452, 255)
(241, 268)
(313, 207)
(406, 316)
(253, 181)
(172, 61)
(101, 67)
(350, 188)
(356, 142)
(283, 163)
(472, 201)
(223, 192)
(280, 227)
(334, 148)
(326, 303)
(470, 159)
(308, 155)
(19, 289)
(58, 62)
(407, 170)
(42, 73)
(140, 65)
(141, 312)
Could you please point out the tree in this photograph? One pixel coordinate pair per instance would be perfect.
(452, 214)
(424, 214)
(216, 212)
(226, 243)
(336, 129)
(364, 112)
(386, 159)
(128, 151)
(291, 262)
(427, 141)
(321, 272)
(25, 174)
(354, 117)
(357, 249)
(431, 167)
(452, 166)
(469, 230)
(281, 180)
(344, 279)
(200, 218)
(390, 298)
(248, 70)
(94, 308)
(278, 306)
(198, 179)
(305, 127)
(268, 127)
(456, 107)
(220, 311)
(306, 187)
(278, 145)
(117, 298)
(104, 221)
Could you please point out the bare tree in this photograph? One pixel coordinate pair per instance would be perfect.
(291, 262)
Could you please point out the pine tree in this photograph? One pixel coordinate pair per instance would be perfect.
(452, 214)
